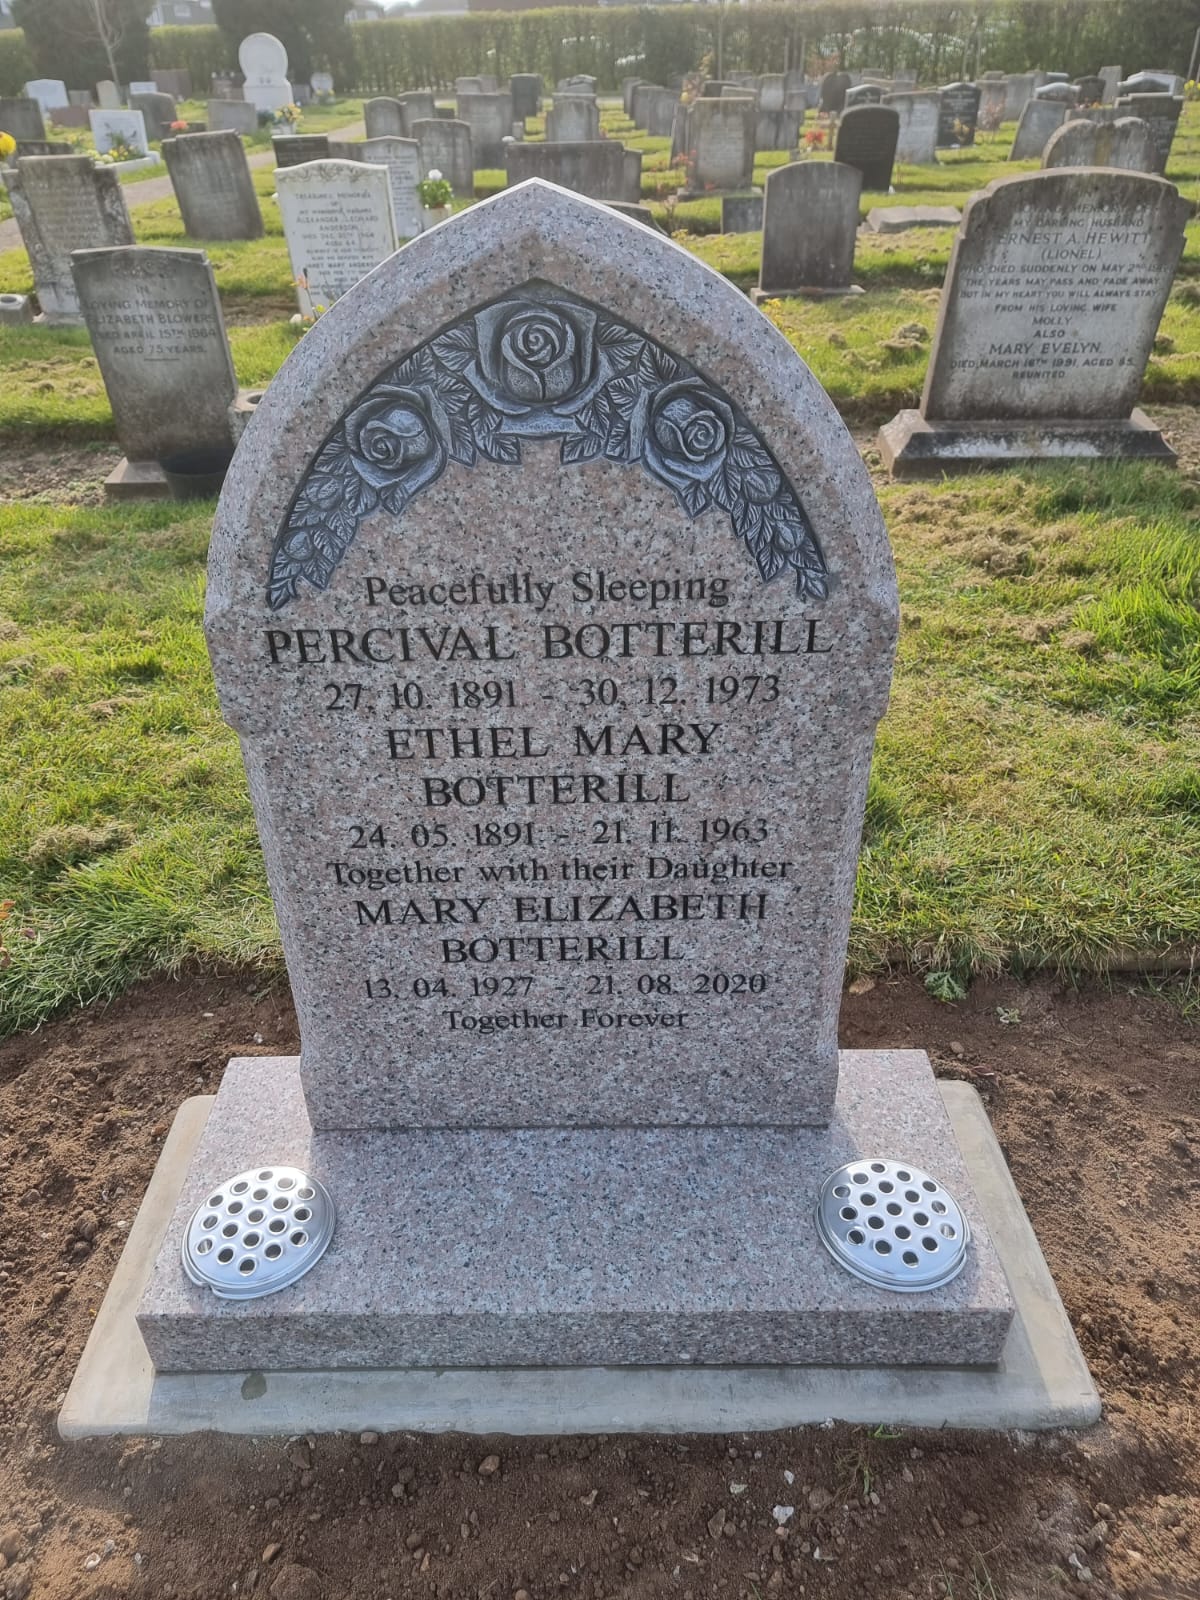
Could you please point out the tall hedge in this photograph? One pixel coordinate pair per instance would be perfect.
(16, 63)
(941, 39)
(200, 51)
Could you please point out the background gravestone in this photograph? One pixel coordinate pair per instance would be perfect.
(1110, 77)
(384, 118)
(916, 141)
(993, 96)
(239, 116)
(489, 117)
(592, 167)
(211, 178)
(264, 63)
(866, 140)
(958, 115)
(1049, 312)
(741, 213)
(128, 126)
(772, 91)
(1020, 86)
(445, 146)
(863, 94)
(337, 219)
(298, 149)
(526, 91)
(418, 104)
(108, 95)
(832, 94)
(155, 324)
(572, 118)
(810, 223)
(402, 158)
(1161, 114)
(50, 93)
(1038, 121)
(159, 111)
(62, 204)
(720, 150)
(22, 118)
(1126, 142)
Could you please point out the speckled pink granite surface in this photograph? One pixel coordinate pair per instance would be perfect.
(578, 1247)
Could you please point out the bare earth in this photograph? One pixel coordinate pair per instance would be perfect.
(1095, 1098)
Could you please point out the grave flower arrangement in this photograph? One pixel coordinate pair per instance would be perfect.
(539, 364)
(435, 191)
(287, 116)
(120, 150)
(815, 139)
(8, 145)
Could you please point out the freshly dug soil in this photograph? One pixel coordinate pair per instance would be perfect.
(1094, 1096)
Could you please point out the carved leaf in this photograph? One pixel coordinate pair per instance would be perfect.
(456, 347)
(582, 447)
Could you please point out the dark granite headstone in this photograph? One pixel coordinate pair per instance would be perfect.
(958, 115)
(866, 140)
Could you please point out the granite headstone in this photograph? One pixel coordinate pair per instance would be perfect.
(445, 146)
(1126, 142)
(1161, 113)
(489, 117)
(958, 115)
(741, 213)
(22, 119)
(1038, 121)
(916, 141)
(572, 119)
(402, 158)
(591, 167)
(63, 204)
(384, 118)
(1049, 312)
(526, 91)
(866, 140)
(810, 222)
(297, 149)
(238, 116)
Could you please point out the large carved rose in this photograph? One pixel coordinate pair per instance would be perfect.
(688, 433)
(398, 437)
(535, 353)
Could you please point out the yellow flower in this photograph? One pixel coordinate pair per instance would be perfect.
(7, 145)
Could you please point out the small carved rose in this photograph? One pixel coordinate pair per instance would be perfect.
(398, 437)
(688, 432)
(536, 353)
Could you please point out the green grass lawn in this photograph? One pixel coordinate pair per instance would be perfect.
(1035, 799)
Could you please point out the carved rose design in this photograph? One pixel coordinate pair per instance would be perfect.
(688, 432)
(398, 438)
(536, 353)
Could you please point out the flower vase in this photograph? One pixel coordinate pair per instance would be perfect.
(434, 214)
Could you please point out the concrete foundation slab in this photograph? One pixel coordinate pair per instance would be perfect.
(1040, 1382)
(542, 1247)
(913, 447)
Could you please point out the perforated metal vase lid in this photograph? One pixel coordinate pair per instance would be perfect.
(892, 1225)
(258, 1232)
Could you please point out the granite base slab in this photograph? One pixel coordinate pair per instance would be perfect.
(899, 219)
(1041, 1380)
(912, 447)
(577, 1247)
(136, 480)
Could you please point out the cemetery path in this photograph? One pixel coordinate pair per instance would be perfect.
(152, 189)
(1095, 1098)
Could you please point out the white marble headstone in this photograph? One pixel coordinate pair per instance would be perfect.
(50, 93)
(339, 225)
(128, 126)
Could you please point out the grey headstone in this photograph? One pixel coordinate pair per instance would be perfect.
(108, 95)
(866, 141)
(526, 91)
(1150, 81)
(1020, 87)
(958, 115)
(338, 223)
(50, 93)
(81, 98)
(631, 176)
(159, 111)
(771, 91)
(298, 149)
(1161, 112)
(863, 94)
(127, 126)
(322, 83)
(1038, 121)
(916, 143)
(468, 85)
(642, 214)
(1111, 78)
(810, 221)
(211, 178)
(418, 106)
(741, 213)
(62, 204)
(595, 167)
(776, 130)
(572, 119)
(489, 117)
(628, 85)
(834, 86)
(156, 328)
(1048, 315)
(402, 158)
(654, 109)
(238, 115)
(1126, 142)
(22, 118)
(720, 144)
(43, 147)
(1065, 94)
(385, 119)
(445, 146)
(1090, 90)
(898, 219)
(993, 98)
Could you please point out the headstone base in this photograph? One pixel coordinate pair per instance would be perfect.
(759, 297)
(898, 219)
(912, 447)
(1041, 1381)
(577, 1247)
(136, 480)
